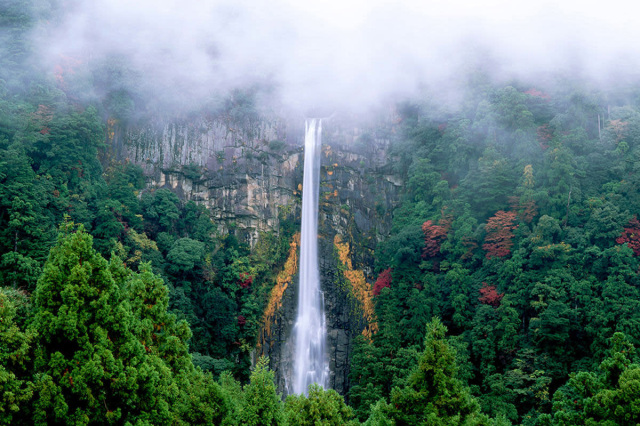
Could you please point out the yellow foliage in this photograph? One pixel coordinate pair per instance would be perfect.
(142, 242)
(619, 127)
(361, 290)
(551, 251)
(528, 176)
(111, 123)
(282, 282)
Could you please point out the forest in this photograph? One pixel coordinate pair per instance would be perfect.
(508, 291)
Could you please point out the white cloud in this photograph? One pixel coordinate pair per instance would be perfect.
(350, 51)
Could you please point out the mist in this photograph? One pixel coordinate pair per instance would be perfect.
(339, 54)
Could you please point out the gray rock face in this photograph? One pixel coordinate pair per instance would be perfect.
(342, 323)
(242, 173)
(278, 345)
(245, 174)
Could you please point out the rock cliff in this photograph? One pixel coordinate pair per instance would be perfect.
(249, 172)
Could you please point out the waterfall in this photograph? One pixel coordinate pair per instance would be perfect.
(310, 364)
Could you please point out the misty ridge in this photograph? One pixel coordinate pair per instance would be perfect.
(175, 57)
(477, 231)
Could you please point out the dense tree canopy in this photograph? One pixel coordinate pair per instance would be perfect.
(527, 252)
(516, 229)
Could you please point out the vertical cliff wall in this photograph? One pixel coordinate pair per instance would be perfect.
(244, 172)
(247, 172)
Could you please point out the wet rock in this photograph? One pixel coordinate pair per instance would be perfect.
(244, 174)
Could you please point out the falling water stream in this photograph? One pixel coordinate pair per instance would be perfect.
(310, 364)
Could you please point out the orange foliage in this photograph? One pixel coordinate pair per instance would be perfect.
(111, 125)
(527, 210)
(619, 128)
(282, 282)
(360, 289)
(66, 66)
(434, 234)
(499, 234)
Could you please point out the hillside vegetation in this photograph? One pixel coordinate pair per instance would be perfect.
(507, 292)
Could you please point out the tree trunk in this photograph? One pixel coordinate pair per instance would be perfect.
(599, 132)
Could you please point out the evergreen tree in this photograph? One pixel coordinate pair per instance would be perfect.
(609, 397)
(261, 405)
(16, 387)
(433, 394)
(98, 359)
(319, 407)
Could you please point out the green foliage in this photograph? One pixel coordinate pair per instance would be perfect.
(105, 348)
(607, 397)
(433, 394)
(162, 208)
(85, 339)
(569, 280)
(277, 145)
(16, 356)
(185, 254)
(319, 407)
(380, 415)
(260, 404)
(487, 187)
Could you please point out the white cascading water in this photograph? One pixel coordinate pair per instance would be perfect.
(310, 359)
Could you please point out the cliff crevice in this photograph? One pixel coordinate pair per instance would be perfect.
(246, 175)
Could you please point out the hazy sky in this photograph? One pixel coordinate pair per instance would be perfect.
(347, 52)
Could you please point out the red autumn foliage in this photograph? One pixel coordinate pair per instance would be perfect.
(241, 320)
(41, 117)
(631, 236)
(544, 136)
(499, 234)
(245, 280)
(538, 94)
(42, 114)
(489, 295)
(434, 235)
(384, 280)
(527, 210)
